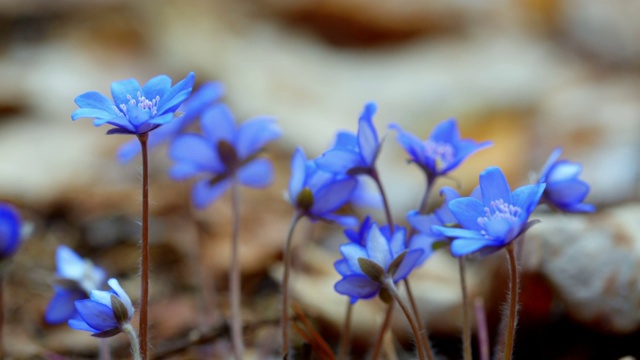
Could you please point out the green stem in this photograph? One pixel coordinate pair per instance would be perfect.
(285, 286)
(234, 277)
(388, 284)
(383, 329)
(466, 328)
(345, 339)
(513, 303)
(133, 339)
(144, 248)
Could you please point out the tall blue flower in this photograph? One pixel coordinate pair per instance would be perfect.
(224, 153)
(364, 268)
(442, 152)
(192, 108)
(10, 230)
(135, 110)
(318, 194)
(564, 190)
(354, 154)
(75, 279)
(497, 220)
(104, 313)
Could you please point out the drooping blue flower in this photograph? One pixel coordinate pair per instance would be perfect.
(135, 110)
(104, 313)
(10, 230)
(497, 220)
(354, 154)
(442, 152)
(564, 190)
(75, 279)
(223, 153)
(318, 194)
(365, 267)
(192, 108)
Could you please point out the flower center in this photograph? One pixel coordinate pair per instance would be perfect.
(443, 153)
(142, 103)
(498, 211)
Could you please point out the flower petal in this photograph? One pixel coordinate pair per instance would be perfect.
(333, 195)
(555, 155)
(357, 286)
(298, 173)
(378, 247)
(527, 198)
(368, 141)
(467, 210)
(76, 323)
(197, 152)
(254, 134)
(93, 104)
(564, 170)
(218, 124)
(69, 265)
(351, 253)
(410, 261)
(98, 316)
(61, 306)
(446, 132)
(176, 95)
(115, 285)
(204, 194)
(465, 246)
(342, 267)
(339, 160)
(257, 173)
(124, 91)
(494, 187)
(156, 87)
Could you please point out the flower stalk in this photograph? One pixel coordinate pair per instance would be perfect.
(466, 320)
(391, 288)
(234, 276)
(133, 339)
(144, 248)
(345, 340)
(509, 338)
(284, 320)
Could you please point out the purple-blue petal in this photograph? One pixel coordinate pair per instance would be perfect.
(10, 229)
(175, 96)
(218, 123)
(357, 286)
(98, 316)
(298, 173)
(465, 246)
(254, 134)
(367, 136)
(197, 152)
(410, 261)
(339, 160)
(333, 195)
(527, 197)
(257, 173)
(156, 87)
(446, 132)
(351, 253)
(61, 307)
(125, 90)
(494, 186)
(378, 247)
(467, 210)
(203, 193)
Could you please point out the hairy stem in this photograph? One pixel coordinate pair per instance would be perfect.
(234, 277)
(388, 284)
(383, 329)
(424, 336)
(103, 348)
(385, 201)
(483, 332)
(144, 248)
(345, 339)
(133, 339)
(466, 321)
(509, 338)
(285, 286)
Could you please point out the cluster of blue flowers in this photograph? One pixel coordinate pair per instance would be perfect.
(376, 254)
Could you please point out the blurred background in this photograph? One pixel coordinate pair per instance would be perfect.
(528, 75)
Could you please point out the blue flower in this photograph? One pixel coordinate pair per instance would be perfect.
(442, 152)
(494, 222)
(76, 278)
(317, 194)
(104, 313)
(135, 110)
(10, 230)
(224, 153)
(365, 267)
(206, 95)
(564, 190)
(354, 154)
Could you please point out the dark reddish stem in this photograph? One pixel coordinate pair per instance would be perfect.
(144, 248)
(234, 277)
(285, 286)
(1, 314)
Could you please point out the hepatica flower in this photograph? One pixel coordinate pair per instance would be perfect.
(564, 190)
(442, 152)
(365, 268)
(76, 278)
(224, 153)
(105, 313)
(134, 109)
(318, 194)
(497, 220)
(192, 108)
(10, 230)
(354, 154)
